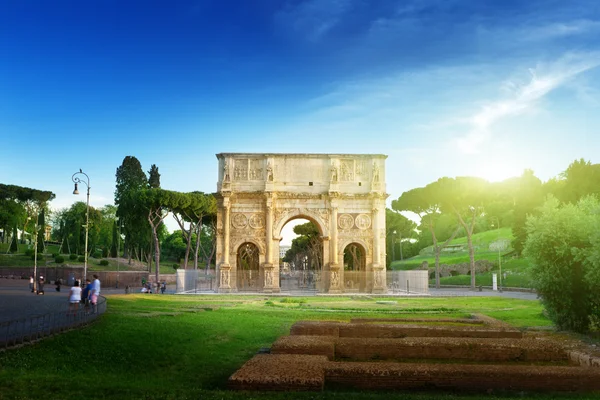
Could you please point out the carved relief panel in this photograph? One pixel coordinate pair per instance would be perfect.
(255, 170)
(346, 170)
(240, 171)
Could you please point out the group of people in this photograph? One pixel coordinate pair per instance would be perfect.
(40, 285)
(86, 296)
(147, 287)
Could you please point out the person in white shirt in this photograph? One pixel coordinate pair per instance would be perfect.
(74, 298)
(95, 292)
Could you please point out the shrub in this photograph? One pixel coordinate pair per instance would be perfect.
(564, 247)
(59, 259)
(175, 266)
(104, 263)
(29, 252)
(81, 259)
(72, 256)
(54, 255)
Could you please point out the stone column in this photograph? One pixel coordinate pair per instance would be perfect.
(334, 266)
(334, 234)
(271, 275)
(225, 267)
(378, 270)
(376, 238)
(226, 225)
(269, 232)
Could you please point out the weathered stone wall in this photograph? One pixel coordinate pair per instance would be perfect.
(393, 376)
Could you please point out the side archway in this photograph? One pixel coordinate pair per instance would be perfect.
(354, 256)
(247, 267)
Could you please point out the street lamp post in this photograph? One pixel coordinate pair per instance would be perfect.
(393, 246)
(499, 246)
(77, 180)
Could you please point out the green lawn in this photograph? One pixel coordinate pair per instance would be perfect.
(170, 347)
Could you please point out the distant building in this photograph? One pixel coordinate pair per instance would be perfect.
(283, 249)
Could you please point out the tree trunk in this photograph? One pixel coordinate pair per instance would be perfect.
(469, 231)
(197, 249)
(471, 259)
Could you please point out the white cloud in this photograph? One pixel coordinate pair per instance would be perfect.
(313, 19)
(562, 29)
(522, 98)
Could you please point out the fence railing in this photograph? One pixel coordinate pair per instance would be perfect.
(397, 282)
(35, 327)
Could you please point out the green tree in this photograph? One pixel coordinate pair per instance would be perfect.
(563, 242)
(157, 203)
(14, 247)
(581, 178)
(200, 207)
(528, 196)
(403, 227)
(466, 198)
(307, 246)
(426, 203)
(130, 179)
(154, 177)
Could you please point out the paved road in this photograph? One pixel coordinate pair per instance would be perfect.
(16, 301)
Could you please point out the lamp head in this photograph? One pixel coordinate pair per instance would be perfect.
(75, 191)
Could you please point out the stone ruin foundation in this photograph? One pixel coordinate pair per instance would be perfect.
(477, 354)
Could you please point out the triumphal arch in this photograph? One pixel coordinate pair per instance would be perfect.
(343, 195)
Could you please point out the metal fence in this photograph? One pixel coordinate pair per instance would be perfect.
(29, 329)
(304, 282)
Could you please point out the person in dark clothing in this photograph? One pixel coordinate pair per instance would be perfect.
(85, 293)
(40, 289)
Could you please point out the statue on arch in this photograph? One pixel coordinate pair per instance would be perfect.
(269, 172)
(226, 171)
(375, 172)
(334, 173)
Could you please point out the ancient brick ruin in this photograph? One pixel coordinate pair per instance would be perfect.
(478, 354)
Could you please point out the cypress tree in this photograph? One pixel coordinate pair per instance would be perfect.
(14, 247)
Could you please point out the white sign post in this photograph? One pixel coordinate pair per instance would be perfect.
(494, 282)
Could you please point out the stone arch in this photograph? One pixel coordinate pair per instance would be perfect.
(355, 279)
(343, 195)
(363, 243)
(248, 239)
(248, 279)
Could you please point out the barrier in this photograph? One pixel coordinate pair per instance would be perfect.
(30, 329)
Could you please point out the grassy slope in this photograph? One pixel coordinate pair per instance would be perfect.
(516, 269)
(481, 242)
(167, 347)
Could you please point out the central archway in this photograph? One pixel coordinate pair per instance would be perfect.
(301, 269)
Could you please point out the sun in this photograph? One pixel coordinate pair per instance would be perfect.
(497, 170)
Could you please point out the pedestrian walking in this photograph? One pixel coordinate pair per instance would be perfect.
(40, 289)
(94, 293)
(31, 283)
(163, 287)
(74, 299)
(85, 294)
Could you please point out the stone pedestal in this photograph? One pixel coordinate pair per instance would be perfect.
(225, 278)
(271, 281)
(335, 279)
(379, 280)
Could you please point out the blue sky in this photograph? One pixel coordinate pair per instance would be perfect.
(443, 87)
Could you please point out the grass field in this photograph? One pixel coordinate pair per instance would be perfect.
(172, 347)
